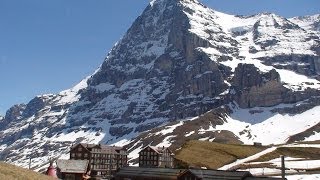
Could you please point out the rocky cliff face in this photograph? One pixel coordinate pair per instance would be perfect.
(254, 88)
(14, 114)
(179, 59)
(1, 118)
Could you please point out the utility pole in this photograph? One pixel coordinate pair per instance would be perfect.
(30, 162)
(283, 168)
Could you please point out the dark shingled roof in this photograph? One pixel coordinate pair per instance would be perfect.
(207, 174)
(158, 150)
(161, 173)
(105, 149)
(72, 166)
(262, 178)
(167, 174)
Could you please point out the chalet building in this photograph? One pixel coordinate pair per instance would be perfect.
(152, 156)
(73, 169)
(138, 173)
(103, 160)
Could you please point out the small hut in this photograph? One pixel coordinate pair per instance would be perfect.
(73, 169)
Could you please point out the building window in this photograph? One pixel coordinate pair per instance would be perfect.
(73, 155)
(85, 155)
(80, 149)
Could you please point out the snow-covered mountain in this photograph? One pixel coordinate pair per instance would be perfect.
(308, 22)
(182, 71)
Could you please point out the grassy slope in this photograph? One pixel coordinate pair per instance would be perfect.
(296, 152)
(213, 155)
(11, 172)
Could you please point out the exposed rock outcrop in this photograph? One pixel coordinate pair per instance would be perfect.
(303, 64)
(182, 131)
(14, 114)
(307, 133)
(34, 106)
(254, 88)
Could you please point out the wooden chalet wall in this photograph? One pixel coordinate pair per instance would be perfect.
(79, 152)
(103, 160)
(155, 157)
(166, 159)
(148, 157)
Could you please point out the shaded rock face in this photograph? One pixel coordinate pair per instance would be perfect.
(14, 114)
(24, 111)
(313, 100)
(316, 63)
(158, 60)
(34, 106)
(254, 88)
(270, 21)
(316, 25)
(303, 64)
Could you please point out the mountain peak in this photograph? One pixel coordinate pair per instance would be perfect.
(311, 22)
(179, 59)
(166, 1)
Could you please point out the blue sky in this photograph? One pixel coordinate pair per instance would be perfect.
(50, 45)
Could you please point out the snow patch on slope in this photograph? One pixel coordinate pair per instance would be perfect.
(297, 82)
(306, 22)
(250, 158)
(304, 177)
(314, 137)
(259, 127)
(71, 95)
(169, 129)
